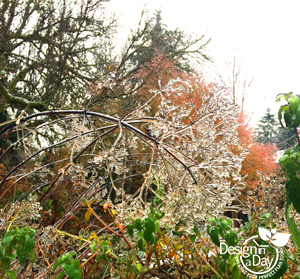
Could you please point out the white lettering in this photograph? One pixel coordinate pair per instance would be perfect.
(231, 250)
(248, 263)
(269, 263)
(221, 248)
(258, 262)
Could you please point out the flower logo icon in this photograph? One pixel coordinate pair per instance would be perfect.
(278, 239)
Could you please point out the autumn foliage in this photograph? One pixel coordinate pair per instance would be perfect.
(130, 177)
(259, 157)
(179, 150)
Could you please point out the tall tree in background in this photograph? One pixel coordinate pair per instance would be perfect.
(238, 82)
(267, 129)
(173, 44)
(50, 51)
(143, 61)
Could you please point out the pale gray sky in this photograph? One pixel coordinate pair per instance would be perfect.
(263, 35)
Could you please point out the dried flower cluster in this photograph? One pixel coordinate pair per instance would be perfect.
(269, 197)
(20, 214)
(192, 160)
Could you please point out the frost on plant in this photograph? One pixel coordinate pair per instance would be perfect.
(173, 152)
(175, 148)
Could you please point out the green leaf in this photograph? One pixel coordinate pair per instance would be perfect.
(149, 225)
(65, 258)
(296, 121)
(284, 159)
(159, 215)
(156, 200)
(265, 217)
(280, 96)
(231, 238)
(138, 224)
(140, 244)
(294, 230)
(221, 228)
(214, 235)
(72, 272)
(236, 273)
(60, 275)
(293, 192)
(293, 103)
(130, 230)
(281, 110)
(192, 238)
(223, 223)
(11, 274)
(58, 263)
(93, 247)
(32, 233)
(290, 163)
(212, 220)
(287, 118)
(148, 236)
(196, 230)
(296, 276)
(104, 244)
(139, 267)
(21, 256)
(7, 239)
(232, 264)
(223, 264)
(140, 234)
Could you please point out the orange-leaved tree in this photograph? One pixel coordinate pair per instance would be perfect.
(259, 157)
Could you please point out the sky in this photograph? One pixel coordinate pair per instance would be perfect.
(262, 35)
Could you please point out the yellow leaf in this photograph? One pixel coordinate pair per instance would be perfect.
(171, 254)
(87, 203)
(166, 240)
(113, 212)
(93, 235)
(113, 255)
(88, 215)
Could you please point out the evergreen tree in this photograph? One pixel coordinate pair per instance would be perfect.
(267, 129)
(144, 59)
